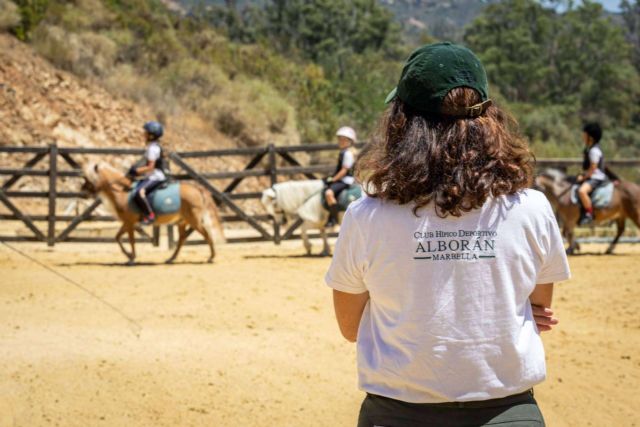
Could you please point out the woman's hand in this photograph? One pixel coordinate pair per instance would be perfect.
(543, 317)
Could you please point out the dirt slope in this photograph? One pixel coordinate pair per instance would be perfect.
(40, 104)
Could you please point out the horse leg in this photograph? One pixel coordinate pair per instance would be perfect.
(326, 251)
(132, 242)
(209, 238)
(305, 237)
(620, 223)
(122, 230)
(573, 245)
(182, 236)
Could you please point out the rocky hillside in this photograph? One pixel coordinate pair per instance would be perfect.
(40, 104)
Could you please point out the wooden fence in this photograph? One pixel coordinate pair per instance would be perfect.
(270, 162)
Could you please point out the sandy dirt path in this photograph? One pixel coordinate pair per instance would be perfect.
(251, 341)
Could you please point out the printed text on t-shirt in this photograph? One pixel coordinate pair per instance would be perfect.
(458, 245)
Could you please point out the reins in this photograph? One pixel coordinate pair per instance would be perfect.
(565, 191)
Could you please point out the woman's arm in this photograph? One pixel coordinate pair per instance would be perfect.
(540, 299)
(349, 308)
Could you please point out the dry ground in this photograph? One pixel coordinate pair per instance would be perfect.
(251, 341)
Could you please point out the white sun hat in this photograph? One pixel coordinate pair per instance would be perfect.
(347, 132)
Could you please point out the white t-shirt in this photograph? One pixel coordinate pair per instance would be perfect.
(595, 154)
(347, 162)
(449, 317)
(152, 154)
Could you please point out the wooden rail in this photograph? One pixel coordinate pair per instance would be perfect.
(269, 162)
(264, 162)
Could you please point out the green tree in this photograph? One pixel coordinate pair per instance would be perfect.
(578, 58)
(591, 64)
(513, 39)
(631, 16)
(321, 29)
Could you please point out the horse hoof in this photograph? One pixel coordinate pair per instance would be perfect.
(131, 263)
(210, 260)
(169, 261)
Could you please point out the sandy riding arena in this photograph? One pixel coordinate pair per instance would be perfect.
(251, 340)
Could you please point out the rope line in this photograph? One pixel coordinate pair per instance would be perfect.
(133, 325)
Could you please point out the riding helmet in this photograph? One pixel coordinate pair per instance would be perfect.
(154, 128)
(347, 132)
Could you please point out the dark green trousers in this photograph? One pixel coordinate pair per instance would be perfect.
(513, 411)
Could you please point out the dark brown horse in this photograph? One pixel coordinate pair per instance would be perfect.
(625, 203)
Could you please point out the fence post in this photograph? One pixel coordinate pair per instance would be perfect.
(155, 236)
(53, 178)
(273, 174)
(170, 237)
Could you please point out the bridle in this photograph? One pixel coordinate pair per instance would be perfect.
(553, 180)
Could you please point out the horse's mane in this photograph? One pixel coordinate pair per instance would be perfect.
(91, 170)
(556, 174)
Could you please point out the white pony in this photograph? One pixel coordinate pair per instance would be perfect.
(299, 199)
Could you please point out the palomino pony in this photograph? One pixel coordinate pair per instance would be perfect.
(299, 199)
(625, 203)
(197, 209)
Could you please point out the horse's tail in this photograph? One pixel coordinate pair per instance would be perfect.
(211, 215)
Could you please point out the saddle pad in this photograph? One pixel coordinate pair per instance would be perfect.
(349, 195)
(346, 196)
(164, 200)
(600, 197)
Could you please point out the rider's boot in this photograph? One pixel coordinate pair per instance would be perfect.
(148, 216)
(333, 215)
(587, 217)
(148, 219)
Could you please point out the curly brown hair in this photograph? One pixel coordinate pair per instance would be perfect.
(454, 162)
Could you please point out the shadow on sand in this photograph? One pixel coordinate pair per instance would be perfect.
(125, 264)
(303, 256)
(597, 254)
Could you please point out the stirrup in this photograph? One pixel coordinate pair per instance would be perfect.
(587, 219)
(146, 220)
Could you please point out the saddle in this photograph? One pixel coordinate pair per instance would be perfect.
(600, 197)
(346, 196)
(164, 199)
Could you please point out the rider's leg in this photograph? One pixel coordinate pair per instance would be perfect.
(583, 193)
(331, 196)
(144, 188)
(332, 204)
(141, 200)
(587, 207)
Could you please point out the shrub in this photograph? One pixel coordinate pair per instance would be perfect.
(9, 15)
(31, 13)
(85, 54)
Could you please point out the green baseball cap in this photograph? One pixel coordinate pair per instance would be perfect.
(433, 70)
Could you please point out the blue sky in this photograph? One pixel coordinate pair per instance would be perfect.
(611, 4)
